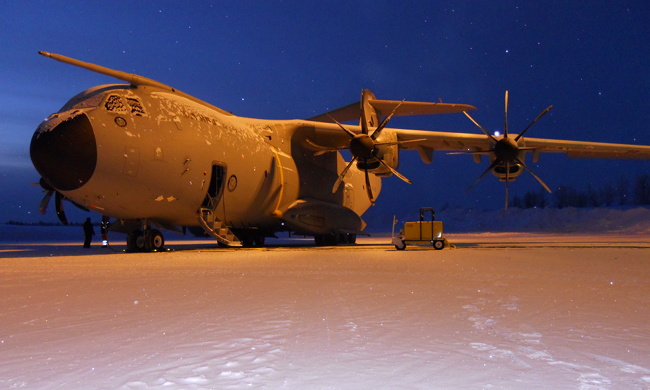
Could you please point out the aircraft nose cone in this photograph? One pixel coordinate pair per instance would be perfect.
(65, 155)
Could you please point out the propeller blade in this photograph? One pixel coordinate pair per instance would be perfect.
(351, 134)
(368, 189)
(505, 121)
(383, 123)
(534, 175)
(342, 175)
(394, 171)
(507, 183)
(494, 164)
(507, 196)
(58, 203)
(533, 122)
(479, 126)
(42, 207)
(362, 110)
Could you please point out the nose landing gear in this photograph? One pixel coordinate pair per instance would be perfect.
(146, 240)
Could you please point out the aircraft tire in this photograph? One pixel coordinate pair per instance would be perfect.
(247, 242)
(326, 240)
(135, 241)
(155, 241)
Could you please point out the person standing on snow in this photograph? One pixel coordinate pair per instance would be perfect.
(89, 232)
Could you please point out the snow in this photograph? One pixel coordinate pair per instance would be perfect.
(503, 310)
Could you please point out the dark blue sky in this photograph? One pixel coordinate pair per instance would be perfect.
(296, 59)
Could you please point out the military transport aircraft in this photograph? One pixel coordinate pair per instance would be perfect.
(152, 157)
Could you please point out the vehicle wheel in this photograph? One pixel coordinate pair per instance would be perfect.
(155, 241)
(400, 245)
(438, 244)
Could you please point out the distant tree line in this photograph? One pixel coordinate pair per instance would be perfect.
(621, 193)
(18, 223)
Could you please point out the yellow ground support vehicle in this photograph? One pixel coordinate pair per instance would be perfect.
(421, 232)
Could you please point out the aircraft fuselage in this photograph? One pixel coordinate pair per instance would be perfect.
(146, 154)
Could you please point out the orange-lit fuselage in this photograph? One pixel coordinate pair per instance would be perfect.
(149, 154)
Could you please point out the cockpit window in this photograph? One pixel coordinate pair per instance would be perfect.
(136, 106)
(83, 101)
(115, 103)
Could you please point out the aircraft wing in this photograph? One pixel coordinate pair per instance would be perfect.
(428, 141)
(352, 112)
(582, 149)
(329, 137)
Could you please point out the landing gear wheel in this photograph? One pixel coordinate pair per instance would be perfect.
(252, 239)
(438, 244)
(145, 241)
(135, 241)
(247, 242)
(155, 241)
(326, 240)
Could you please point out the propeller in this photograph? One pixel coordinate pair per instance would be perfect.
(58, 201)
(363, 147)
(506, 150)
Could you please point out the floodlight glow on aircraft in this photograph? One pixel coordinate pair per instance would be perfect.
(153, 158)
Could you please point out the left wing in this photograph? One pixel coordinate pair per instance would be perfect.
(583, 149)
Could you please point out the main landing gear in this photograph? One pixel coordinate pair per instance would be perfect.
(146, 240)
(334, 239)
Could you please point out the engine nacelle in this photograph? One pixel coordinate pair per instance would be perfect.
(514, 170)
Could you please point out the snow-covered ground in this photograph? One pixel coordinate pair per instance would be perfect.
(503, 310)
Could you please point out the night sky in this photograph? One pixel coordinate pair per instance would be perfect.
(297, 59)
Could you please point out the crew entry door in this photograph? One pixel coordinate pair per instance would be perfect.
(215, 188)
